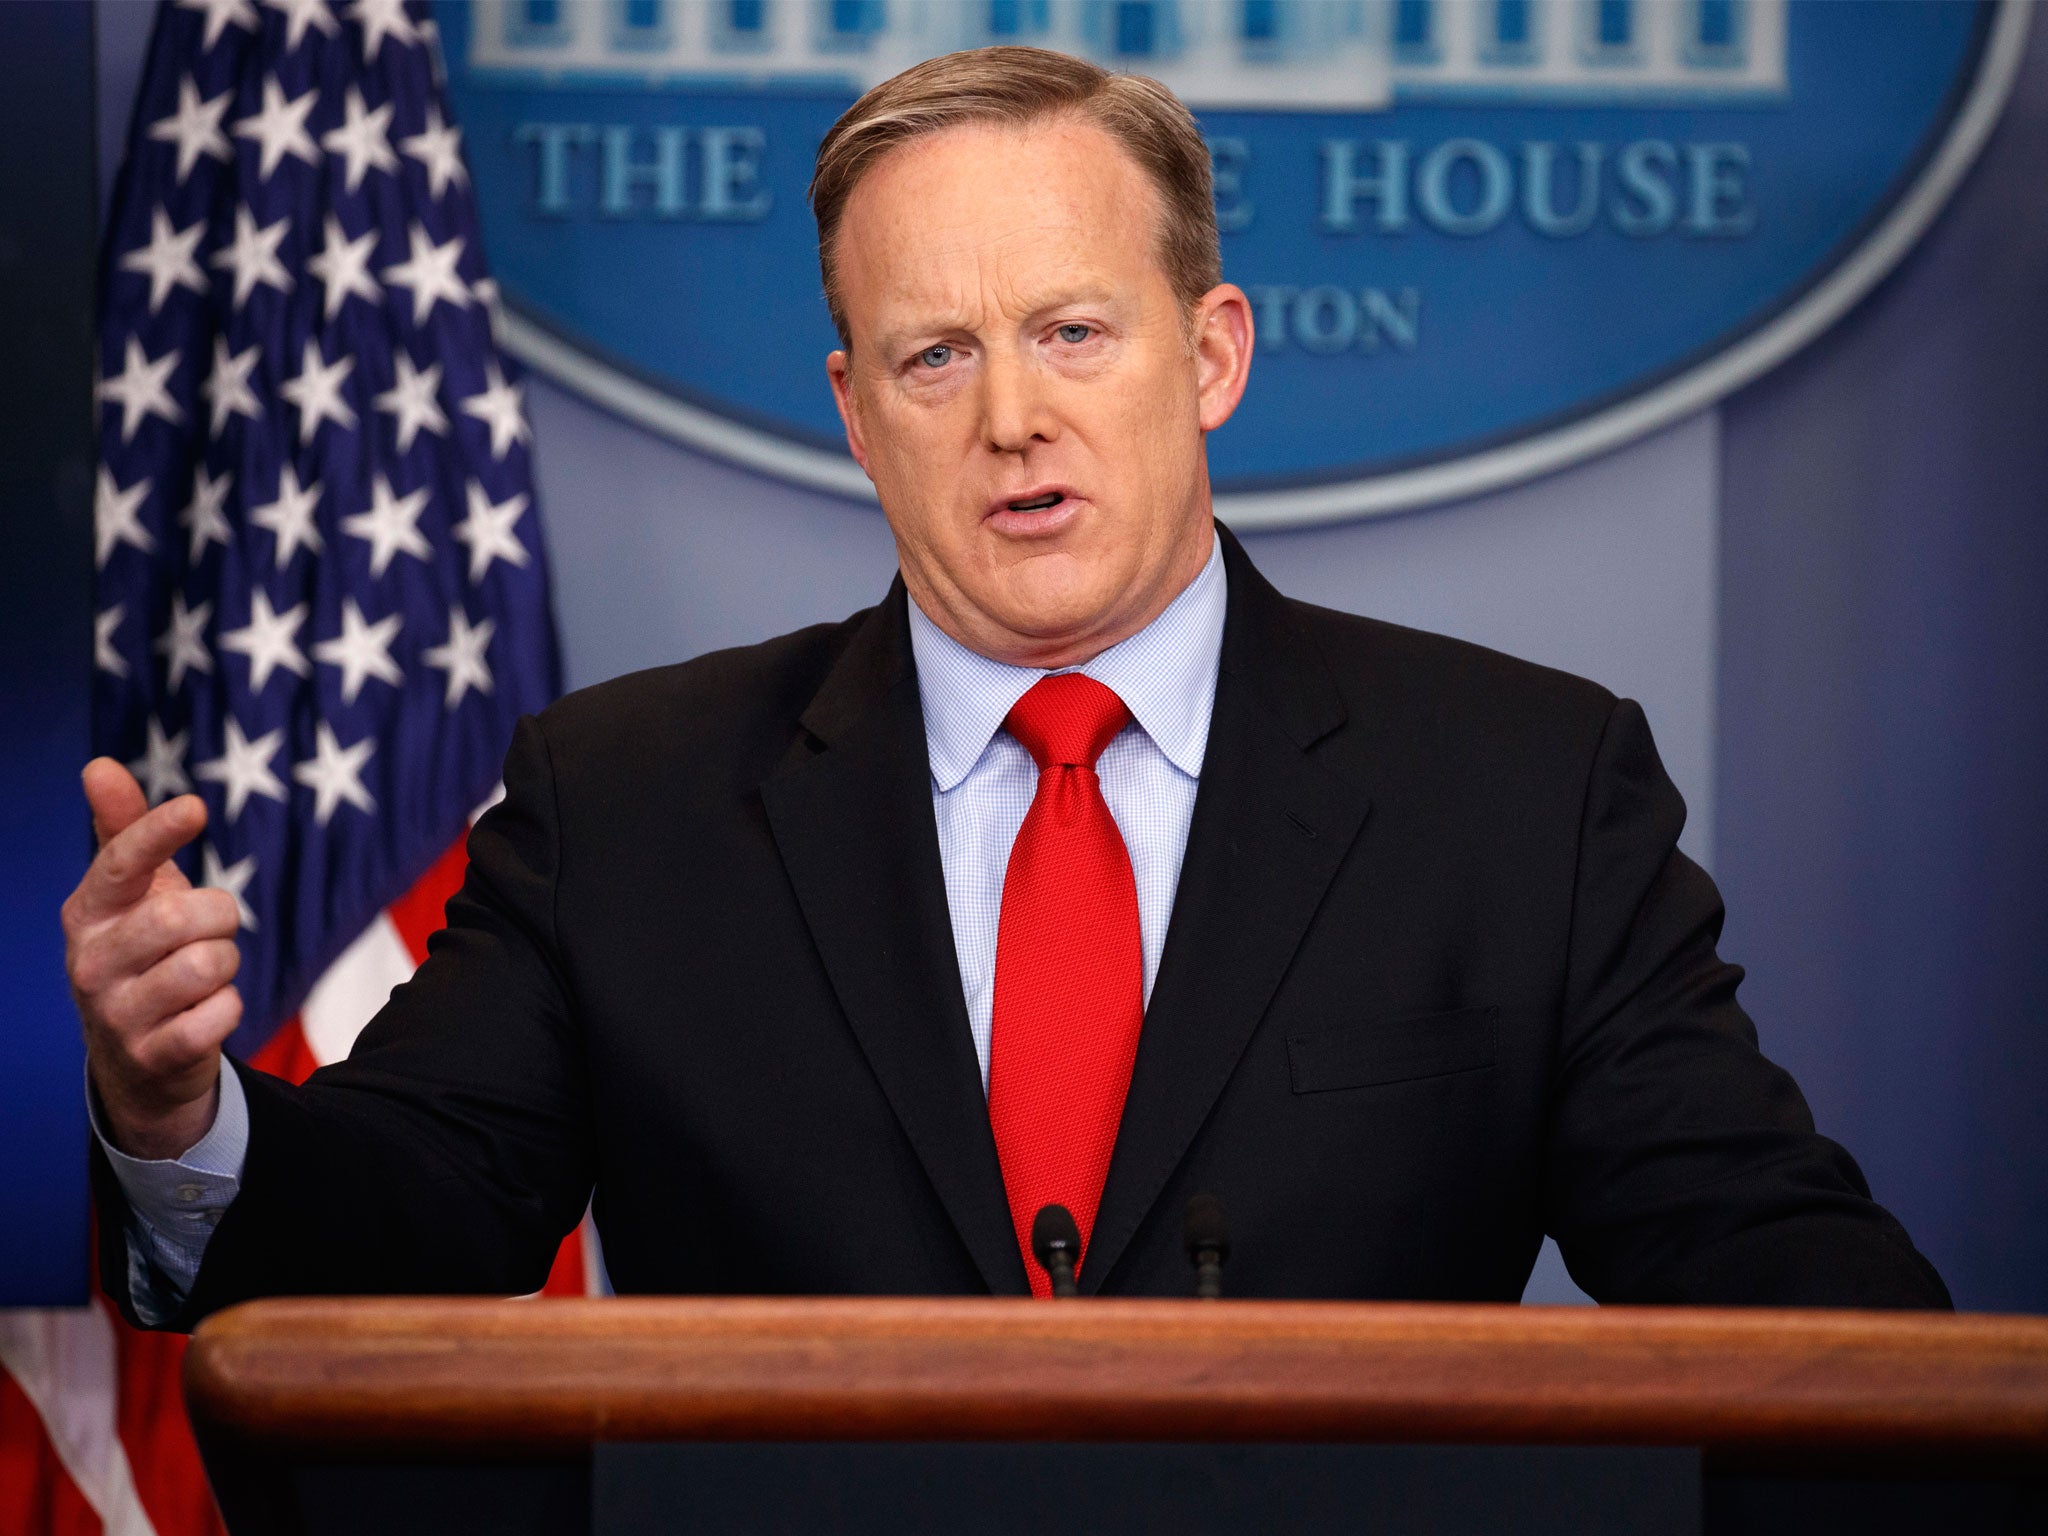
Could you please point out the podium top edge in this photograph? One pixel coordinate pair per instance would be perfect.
(467, 1373)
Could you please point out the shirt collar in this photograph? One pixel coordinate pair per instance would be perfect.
(1165, 674)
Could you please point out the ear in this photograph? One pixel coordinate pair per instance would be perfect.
(837, 368)
(1223, 351)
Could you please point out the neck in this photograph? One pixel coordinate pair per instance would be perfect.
(1068, 648)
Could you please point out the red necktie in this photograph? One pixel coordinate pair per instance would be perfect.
(1070, 972)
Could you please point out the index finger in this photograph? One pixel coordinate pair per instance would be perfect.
(121, 874)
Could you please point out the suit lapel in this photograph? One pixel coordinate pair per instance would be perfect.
(852, 818)
(1270, 827)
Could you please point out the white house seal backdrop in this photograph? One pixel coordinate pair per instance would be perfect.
(1483, 238)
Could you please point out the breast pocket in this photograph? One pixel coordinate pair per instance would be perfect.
(1375, 1051)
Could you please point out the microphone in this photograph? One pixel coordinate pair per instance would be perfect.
(1208, 1241)
(1056, 1244)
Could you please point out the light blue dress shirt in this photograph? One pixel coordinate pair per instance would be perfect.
(983, 779)
(982, 784)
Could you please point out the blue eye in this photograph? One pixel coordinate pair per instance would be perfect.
(935, 357)
(1075, 334)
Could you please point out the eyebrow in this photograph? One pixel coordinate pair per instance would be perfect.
(895, 340)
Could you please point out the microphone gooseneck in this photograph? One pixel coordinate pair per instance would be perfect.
(1056, 1244)
(1208, 1243)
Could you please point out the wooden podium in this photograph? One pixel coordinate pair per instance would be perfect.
(296, 1401)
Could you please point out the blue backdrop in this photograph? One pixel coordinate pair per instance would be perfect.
(1884, 721)
(46, 455)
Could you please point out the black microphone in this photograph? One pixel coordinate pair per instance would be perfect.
(1056, 1244)
(1208, 1241)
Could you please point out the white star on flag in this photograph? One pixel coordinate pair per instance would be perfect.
(343, 267)
(183, 642)
(334, 773)
(316, 391)
(195, 127)
(167, 260)
(488, 531)
(267, 640)
(391, 524)
(363, 140)
(362, 650)
(233, 878)
(462, 658)
(279, 129)
(381, 19)
(430, 273)
(438, 148)
(220, 15)
(227, 387)
(161, 768)
(114, 517)
(243, 768)
(142, 388)
(252, 256)
(301, 14)
(104, 656)
(411, 398)
(290, 517)
(499, 408)
(203, 515)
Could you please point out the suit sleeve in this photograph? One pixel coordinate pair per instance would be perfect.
(1684, 1166)
(451, 1151)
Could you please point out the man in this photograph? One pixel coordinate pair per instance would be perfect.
(1085, 869)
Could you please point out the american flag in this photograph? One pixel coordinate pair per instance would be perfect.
(321, 593)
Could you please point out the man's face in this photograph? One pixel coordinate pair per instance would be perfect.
(1025, 389)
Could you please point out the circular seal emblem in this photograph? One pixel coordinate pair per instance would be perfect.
(1483, 239)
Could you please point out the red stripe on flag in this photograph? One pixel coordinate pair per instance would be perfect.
(423, 911)
(37, 1496)
(286, 1054)
(169, 1479)
(566, 1277)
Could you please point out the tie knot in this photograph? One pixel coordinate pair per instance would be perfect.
(1067, 719)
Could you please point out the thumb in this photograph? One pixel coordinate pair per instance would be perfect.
(116, 799)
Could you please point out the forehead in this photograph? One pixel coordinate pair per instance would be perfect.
(982, 206)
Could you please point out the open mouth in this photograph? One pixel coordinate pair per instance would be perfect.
(1037, 503)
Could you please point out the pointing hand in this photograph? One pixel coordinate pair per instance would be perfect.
(152, 964)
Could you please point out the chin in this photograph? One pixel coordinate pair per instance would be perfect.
(1060, 607)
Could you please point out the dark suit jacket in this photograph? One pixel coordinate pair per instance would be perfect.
(1437, 981)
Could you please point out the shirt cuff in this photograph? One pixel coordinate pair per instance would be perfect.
(176, 1202)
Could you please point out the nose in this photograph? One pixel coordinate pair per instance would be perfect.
(1015, 412)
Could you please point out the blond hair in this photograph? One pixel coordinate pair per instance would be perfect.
(1018, 86)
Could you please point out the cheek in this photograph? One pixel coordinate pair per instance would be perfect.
(903, 445)
(922, 436)
(1148, 413)
(1143, 447)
